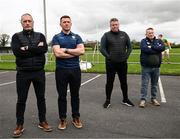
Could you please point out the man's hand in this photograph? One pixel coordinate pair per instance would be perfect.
(24, 48)
(40, 44)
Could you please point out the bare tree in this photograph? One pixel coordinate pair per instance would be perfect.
(4, 40)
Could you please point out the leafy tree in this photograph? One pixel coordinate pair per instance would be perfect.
(4, 40)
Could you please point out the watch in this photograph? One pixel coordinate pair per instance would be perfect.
(66, 50)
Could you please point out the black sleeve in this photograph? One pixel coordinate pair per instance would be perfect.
(129, 46)
(16, 45)
(103, 46)
(39, 49)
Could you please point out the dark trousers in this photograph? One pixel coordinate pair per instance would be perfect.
(121, 69)
(63, 78)
(23, 82)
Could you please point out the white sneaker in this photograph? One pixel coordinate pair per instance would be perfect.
(155, 102)
(142, 104)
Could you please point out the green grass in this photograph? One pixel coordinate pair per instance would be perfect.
(166, 69)
(7, 66)
(98, 63)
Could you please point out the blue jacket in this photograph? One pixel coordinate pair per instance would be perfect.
(151, 52)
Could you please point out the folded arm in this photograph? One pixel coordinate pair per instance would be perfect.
(61, 52)
(18, 49)
(79, 50)
(41, 47)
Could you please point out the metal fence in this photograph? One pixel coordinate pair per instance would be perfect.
(93, 58)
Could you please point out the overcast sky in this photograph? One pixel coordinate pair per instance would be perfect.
(91, 17)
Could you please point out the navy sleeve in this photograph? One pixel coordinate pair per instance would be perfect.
(145, 47)
(55, 41)
(158, 46)
(78, 39)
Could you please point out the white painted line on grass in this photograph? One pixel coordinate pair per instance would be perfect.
(3, 84)
(163, 99)
(87, 81)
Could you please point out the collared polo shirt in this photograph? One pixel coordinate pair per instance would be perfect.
(69, 41)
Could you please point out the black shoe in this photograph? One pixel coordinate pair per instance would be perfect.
(106, 104)
(128, 103)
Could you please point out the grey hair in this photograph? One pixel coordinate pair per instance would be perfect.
(26, 14)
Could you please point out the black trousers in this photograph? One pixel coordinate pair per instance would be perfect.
(63, 78)
(23, 82)
(111, 70)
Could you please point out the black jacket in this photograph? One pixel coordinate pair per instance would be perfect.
(34, 58)
(116, 46)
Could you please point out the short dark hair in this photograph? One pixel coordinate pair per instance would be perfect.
(160, 35)
(113, 20)
(65, 16)
(150, 28)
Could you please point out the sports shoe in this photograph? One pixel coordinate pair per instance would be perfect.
(142, 104)
(77, 123)
(127, 103)
(63, 124)
(155, 102)
(18, 131)
(45, 126)
(106, 104)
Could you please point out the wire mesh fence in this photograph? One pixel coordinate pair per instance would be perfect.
(93, 58)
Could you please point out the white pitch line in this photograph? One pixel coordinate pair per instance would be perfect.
(87, 81)
(48, 73)
(3, 84)
(163, 99)
(4, 72)
(90, 80)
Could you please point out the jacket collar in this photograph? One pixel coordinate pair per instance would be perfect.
(28, 32)
(115, 32)
(70, 33)
(149, 40)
